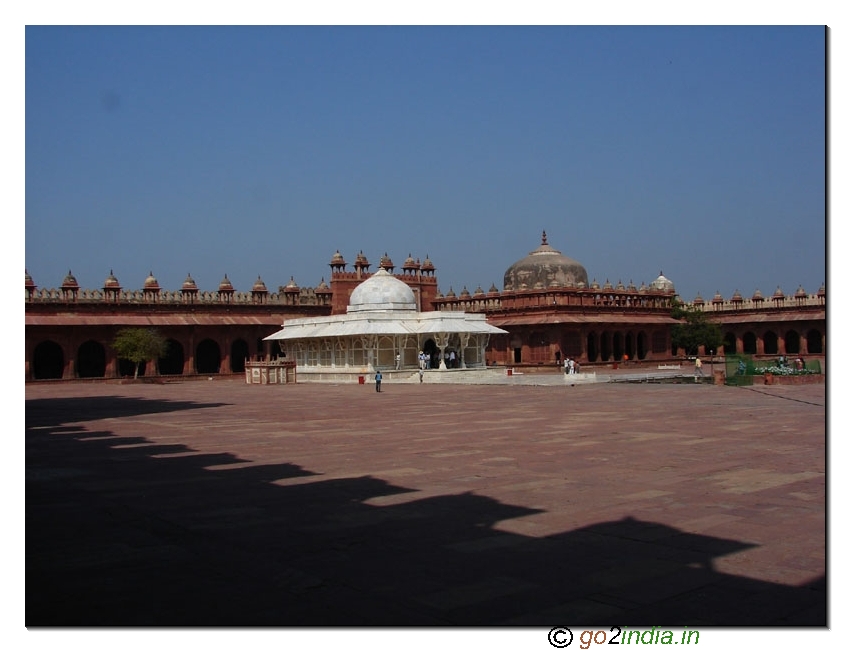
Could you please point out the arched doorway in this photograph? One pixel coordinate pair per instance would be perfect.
(91, 360)
(591, 347)
(749, 343)
(629, 346)
(814, 342)
(771, 343)
(208, 357)
(48, 361)
(792, 342)
(172, 362)
(729, 343)
(641, 346)
(238, 354)
(605, 346)
(618, 346)
(430, 348)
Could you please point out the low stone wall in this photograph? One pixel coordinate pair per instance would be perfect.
(788, 380)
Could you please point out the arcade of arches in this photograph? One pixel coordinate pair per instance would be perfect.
(548, 308)
(95, 358)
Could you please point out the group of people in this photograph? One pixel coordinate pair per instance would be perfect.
(425, 360)
(571, 366)
(783, 362)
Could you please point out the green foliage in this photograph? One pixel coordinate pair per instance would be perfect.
(138, 345)
(694, 329)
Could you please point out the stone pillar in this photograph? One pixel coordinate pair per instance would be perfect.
(464, 341)
(442, 341)
(70, 370)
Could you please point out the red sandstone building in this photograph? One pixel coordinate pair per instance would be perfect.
(547, 306)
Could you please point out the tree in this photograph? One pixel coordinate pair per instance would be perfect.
(694, 329)
(137, 344)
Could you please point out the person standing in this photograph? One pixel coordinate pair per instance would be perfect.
(378, 378)
(697, 368)
(398, 361)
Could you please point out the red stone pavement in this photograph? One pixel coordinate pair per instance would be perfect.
(220, 503)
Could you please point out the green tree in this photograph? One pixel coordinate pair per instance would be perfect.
(694, 329)
(137, 345)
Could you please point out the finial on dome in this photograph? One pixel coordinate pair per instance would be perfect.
(544, 242)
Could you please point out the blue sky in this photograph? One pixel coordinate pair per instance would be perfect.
(246, 151)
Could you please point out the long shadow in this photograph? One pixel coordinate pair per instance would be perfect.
(120, 531)
(48, 412)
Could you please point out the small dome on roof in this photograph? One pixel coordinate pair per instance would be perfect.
(410, 263)
(493, 289)
(607, 286)
(662, 284)
(386, 262)
(70, 281)
(594, 284)
(643, 288)
(323, 287)
(337, 259)
(737, 297)
(451, 293)
(361, 260)
(631, 286)
(800, 293)
(28, 283)
(757, 295)
(111, 281)
(291, 286)
(150, 282)
(620, 286)
(478, 291)
(464, 293)
(778, 295)
(698, 300)
(189, 284)
(427, 265)
(821, 291)
(259, 286)
(225, 284)
(382, 292)
(717, 298)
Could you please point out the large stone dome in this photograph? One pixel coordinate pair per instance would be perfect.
(544, 267)
(382, 292)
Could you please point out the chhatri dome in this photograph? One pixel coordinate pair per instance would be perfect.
(543, 267)
(382, 292)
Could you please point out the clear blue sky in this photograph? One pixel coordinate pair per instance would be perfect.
(699, 151)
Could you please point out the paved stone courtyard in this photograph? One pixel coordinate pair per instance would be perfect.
(218, 503)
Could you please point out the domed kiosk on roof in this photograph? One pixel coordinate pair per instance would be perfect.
(542, 266)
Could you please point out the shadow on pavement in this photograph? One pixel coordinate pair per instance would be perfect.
(120, 531)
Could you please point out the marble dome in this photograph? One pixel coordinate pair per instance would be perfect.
(382, 292)
(542, 267)
(662, 284)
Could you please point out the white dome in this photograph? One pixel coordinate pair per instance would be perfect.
(662, 284)
(382, 292)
